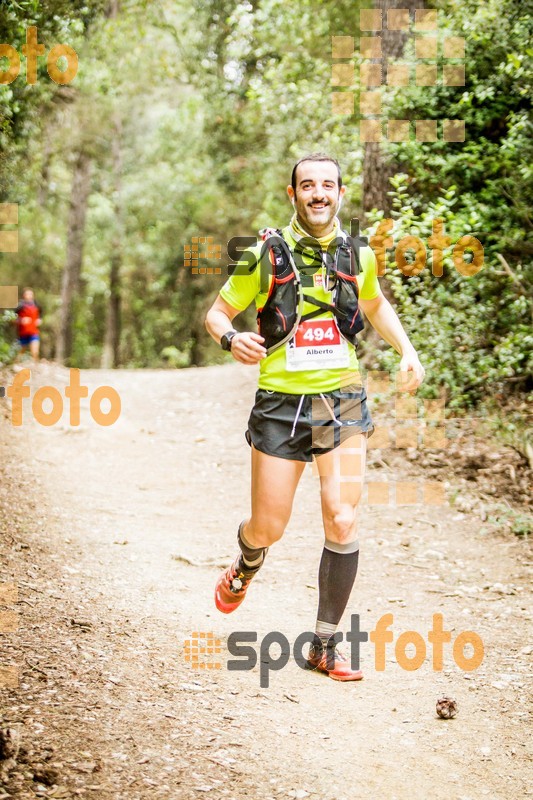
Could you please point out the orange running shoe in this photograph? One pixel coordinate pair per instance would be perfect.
(231, 588)
(341, 671)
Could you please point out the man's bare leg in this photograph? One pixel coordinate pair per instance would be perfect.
(34, 350)
(342, 473)
(274, 483)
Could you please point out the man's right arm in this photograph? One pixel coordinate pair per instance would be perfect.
(246, 347)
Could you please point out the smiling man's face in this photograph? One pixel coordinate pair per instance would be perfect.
(317, 197)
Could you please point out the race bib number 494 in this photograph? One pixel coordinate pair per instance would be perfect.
(317, 344)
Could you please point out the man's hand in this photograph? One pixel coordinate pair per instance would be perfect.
(410, 363)
(247, 348)
(384, 319)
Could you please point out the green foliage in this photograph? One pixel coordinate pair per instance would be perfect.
(472, 332)
(517, 522)
(24, 109)
(492, 168)
(7, 340)
(211, 102)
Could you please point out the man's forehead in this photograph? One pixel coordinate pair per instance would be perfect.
(316, 170)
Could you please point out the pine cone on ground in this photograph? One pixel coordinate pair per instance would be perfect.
(446, 707)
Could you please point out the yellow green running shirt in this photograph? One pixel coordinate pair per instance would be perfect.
(241, 290)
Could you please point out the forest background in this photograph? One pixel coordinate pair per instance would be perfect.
(184, 120)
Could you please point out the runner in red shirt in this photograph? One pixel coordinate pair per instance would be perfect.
(28, 322)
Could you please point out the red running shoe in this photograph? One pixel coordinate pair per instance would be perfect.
(342, 671)
(231, 588)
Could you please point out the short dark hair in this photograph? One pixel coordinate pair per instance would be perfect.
(315, 157)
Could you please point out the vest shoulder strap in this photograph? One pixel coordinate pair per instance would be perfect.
(279, 254)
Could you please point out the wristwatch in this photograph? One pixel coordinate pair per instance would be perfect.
(225, 341)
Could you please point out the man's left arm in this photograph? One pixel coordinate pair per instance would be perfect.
(386, 322)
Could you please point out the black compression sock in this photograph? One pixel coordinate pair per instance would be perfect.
(336, 576)
(252, 558)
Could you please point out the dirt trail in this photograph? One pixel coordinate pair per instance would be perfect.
(108, 707)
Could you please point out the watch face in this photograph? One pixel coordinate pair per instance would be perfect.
(226, 340)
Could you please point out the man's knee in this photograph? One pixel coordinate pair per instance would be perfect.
(263, 533)
(341, 524)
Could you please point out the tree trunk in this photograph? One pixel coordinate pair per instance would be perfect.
(110, 353)
(42, 193)
(113, 9)
(81, 185)
(376, 172)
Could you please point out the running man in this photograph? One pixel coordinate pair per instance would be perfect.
(310, 403)
(28, 322)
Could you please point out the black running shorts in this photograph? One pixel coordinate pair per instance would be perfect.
(299, 427)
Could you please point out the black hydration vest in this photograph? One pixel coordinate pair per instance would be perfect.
(281, 314)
